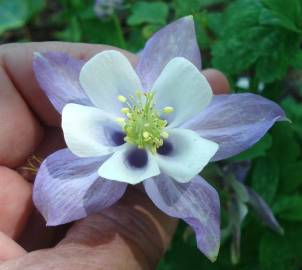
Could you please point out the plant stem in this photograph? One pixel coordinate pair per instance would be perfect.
(117, 24)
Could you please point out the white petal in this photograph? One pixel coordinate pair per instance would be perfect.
(190, 154)
(118, 168)
(106, 76)
(182, 86)
(87, 130)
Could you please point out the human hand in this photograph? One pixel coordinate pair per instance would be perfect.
(132, 234)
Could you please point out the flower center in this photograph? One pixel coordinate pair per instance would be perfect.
(143, 125)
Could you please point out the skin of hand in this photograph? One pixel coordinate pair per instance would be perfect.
(132, 235)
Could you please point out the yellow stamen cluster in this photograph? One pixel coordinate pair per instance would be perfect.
(142, 123)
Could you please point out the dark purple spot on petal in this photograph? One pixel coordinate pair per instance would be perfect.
(165, 149)
(118, 137)
(137, 158)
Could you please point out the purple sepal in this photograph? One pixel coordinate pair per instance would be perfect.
(264, 211)
(68, 188)
(177, 39)
(58, 76)
(196, 202)
(236, 122)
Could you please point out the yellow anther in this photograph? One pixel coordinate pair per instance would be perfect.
(146, 134)
(120, 120)
(168, 109)
(165, 134)
(125, 110)
(121, 98)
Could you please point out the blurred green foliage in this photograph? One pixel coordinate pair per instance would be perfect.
(258, 41)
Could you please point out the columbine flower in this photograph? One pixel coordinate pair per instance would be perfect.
(105, 8)
(159, 124)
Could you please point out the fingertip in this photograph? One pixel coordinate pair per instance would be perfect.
(15, 201)
(217, 80)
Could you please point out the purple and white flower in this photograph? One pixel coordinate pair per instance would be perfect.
(158, 123)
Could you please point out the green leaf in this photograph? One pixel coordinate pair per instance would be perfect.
(73, 31)
(35, 6)
(202, 30)
(291, 177)
(281, 13)
(268, 17)
(258, 150)
(276, 50)
(105, 32)
(135, 41)
(13, 14)
(294, 109)
(281, 253)
(183, 254)
(265, 178)
(183, 8)
(286, 149)
(237, 50)
(145, 12)
(149, 30)
(214, 22)
(289, 207)
(297, 60)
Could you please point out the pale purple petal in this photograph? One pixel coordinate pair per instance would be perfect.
(68, 188)
(264, 211)
(196, 202)
(177, 39)
(58, 76)
(235, 122)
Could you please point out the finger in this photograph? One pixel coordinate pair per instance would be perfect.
(15, 201)
(20, 132)
(217, 80)
(9, 248)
